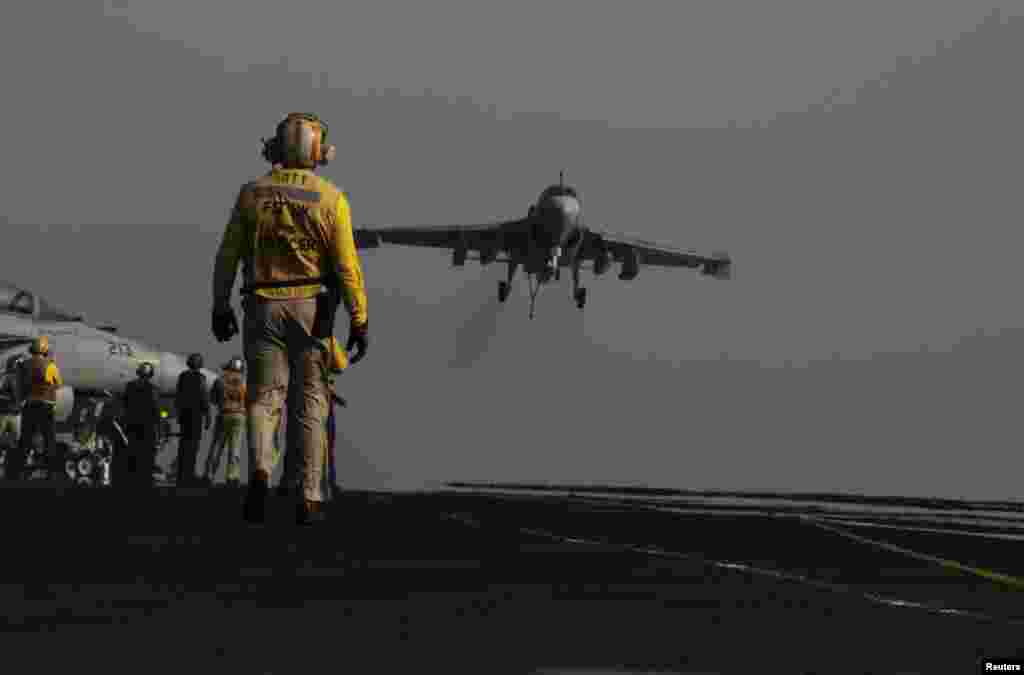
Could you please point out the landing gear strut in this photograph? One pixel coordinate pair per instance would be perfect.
(579, 294)
(534, 281)
(505, 286)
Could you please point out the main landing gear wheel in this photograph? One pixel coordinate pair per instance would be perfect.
(502, 291)
(71, 469)
(581, 297)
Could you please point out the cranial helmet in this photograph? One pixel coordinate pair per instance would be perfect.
(145, 370)
(299, 143)
(195, 361)
(236, 364)
(41, 345)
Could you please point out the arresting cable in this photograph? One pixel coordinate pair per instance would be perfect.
(756, 571)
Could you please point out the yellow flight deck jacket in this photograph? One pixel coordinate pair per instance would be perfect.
(338, 358)
(41, 379)
(281, 226)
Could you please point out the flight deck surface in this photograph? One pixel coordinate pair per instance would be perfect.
(459, 581)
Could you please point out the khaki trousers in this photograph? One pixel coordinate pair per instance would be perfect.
(284, 361)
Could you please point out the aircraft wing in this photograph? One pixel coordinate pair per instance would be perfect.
(632, 251)
(470, 237)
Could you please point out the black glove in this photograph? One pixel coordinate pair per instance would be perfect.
(224, 324)
(359, 338)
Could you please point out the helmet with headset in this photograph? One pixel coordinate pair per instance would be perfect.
(300, 142)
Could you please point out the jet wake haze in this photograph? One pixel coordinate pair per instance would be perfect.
(474, 337)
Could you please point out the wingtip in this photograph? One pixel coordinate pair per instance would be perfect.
(720, 267)
(723, 269)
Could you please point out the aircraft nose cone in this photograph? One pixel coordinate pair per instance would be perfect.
(563, 208)
(561, 216)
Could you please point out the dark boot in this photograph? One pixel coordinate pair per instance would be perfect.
(288, 489)
(309, 513)
(255, 509)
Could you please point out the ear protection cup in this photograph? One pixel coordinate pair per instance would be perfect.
(271, 150)
(327, 154)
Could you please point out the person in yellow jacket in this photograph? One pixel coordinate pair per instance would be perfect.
(40, 379)
(228, 394)
(292, 231)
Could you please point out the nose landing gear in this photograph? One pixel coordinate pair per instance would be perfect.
(580, 296)
(502, 291)
(579, 293)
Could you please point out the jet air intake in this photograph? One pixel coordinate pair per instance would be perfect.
(630, 264)
(488, 255)
(602, 260)
(459, 254)
(459, 251)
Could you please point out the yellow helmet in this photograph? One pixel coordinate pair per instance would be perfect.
(41, 345)
(299, 143)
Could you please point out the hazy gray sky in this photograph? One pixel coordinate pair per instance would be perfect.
(876, 227)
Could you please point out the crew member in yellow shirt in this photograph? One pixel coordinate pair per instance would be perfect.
(292, 232)
(41, 379)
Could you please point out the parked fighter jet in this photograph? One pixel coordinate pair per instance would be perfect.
(94, 361)
(551, 236)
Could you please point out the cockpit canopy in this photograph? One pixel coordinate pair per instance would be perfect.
(16, 300)
(559, 191)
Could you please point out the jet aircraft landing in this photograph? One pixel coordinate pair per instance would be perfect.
(553, 235)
